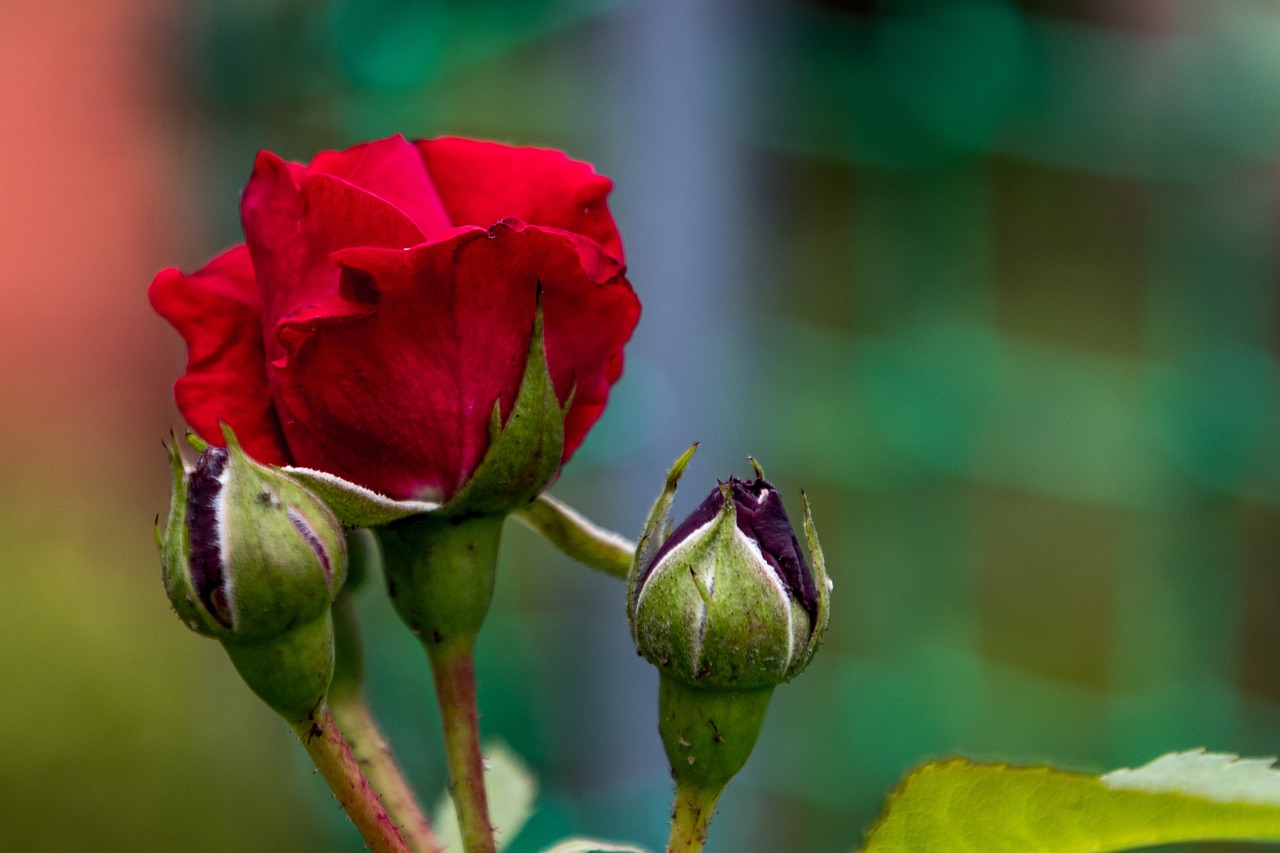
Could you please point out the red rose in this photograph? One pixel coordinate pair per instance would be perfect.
(384, 300)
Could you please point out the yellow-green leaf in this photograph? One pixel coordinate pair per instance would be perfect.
(958, 805)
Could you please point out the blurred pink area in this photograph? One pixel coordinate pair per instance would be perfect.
(86, 217)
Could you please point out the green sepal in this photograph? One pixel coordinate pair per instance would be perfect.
(824, 585)
(672, 639)
(524, 454)
(275, 577)
(290, 671)
(749, 629)
(353, 504)
(174, 550)
(658, 521)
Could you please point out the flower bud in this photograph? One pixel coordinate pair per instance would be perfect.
(248, 552)
(727, 608)
(255, 559)
(728, 600)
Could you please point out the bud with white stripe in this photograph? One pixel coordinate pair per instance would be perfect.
(253, 558)
(727, 607)
(728, 600)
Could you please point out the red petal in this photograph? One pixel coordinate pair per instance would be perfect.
(395, 390)
(483, 182)
(293, 224)
(585, 337)
(392, 170)
(217, 311)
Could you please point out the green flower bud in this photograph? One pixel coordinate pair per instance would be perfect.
(254, 559)
(727, 607)
(728, 599)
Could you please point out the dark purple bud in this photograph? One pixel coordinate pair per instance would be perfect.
(202, 526)
(761, 517)
(728, 601)
(759, 514)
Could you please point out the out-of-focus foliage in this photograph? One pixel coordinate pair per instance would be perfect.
(121, 733)
(994, 282)
(959, 805)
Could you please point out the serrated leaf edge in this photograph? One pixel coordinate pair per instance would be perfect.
(1220, 777)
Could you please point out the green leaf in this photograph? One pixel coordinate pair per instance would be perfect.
(512, 789)
(960, 805)
(589, 845)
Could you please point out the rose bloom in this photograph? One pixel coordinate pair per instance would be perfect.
(384, 300)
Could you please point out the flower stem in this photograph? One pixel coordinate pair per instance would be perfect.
(453, 668)
(576, 536)
(708, 735)
(691, 817)
(354, 717)
(440, 575)
(373, 755)
(336, 764)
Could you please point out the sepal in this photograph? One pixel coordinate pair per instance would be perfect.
(656, 529)
(353, 504)
(174, 546)
(524, 453)
(823, 583)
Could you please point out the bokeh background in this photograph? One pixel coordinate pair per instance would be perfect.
(994, 282)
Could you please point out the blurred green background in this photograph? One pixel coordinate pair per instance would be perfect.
(994, 282)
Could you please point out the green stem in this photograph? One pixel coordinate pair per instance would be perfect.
(355, 719)
(333, 758)
(691, 817)
(454, 672)
(440, 575)
(571, 532)
(373, 755)
(708, 735)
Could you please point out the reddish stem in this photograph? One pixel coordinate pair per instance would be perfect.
(332, 757)
(454, 672)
